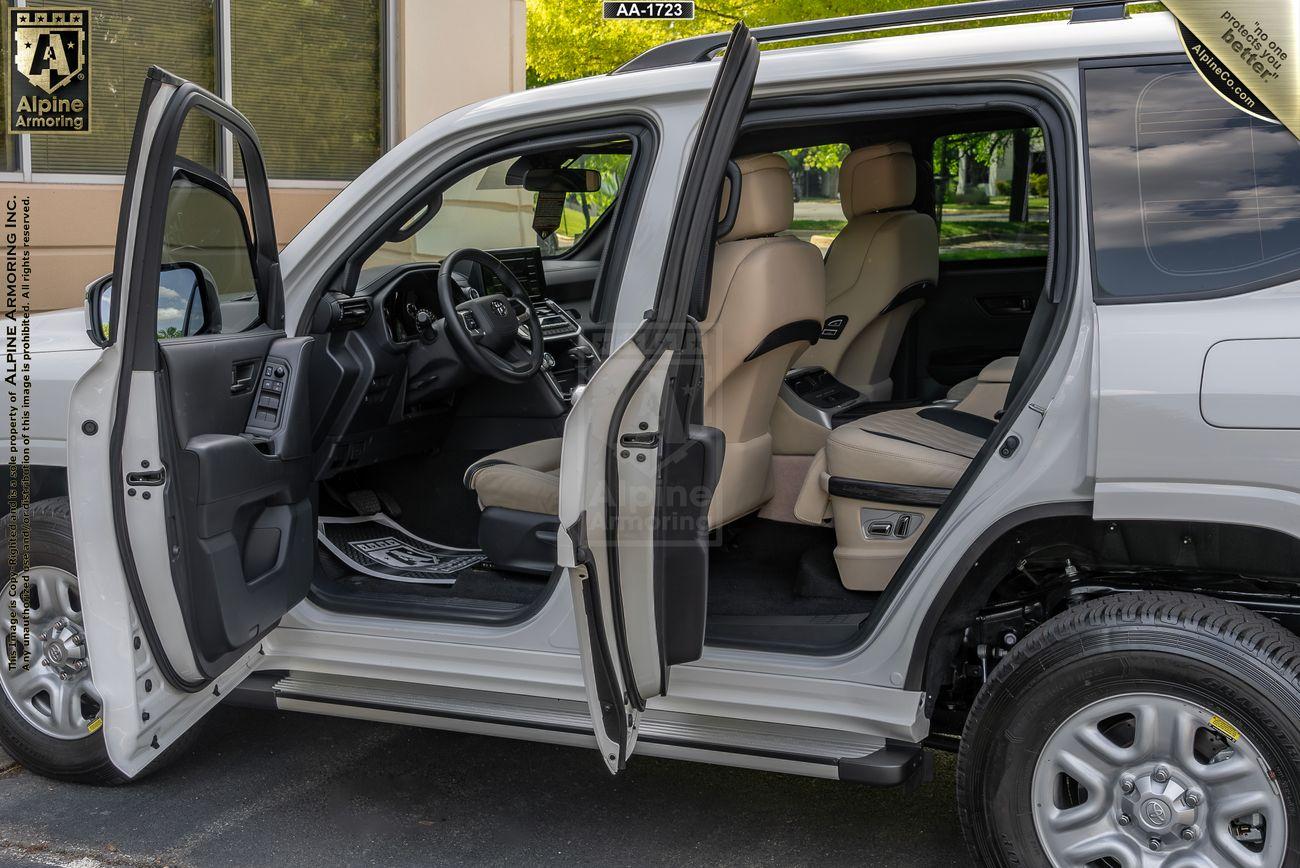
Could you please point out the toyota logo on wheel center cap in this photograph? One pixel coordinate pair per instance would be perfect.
(1156, 812)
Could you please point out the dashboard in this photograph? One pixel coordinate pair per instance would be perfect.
(388, 373)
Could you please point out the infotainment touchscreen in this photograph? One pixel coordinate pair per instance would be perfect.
(524, 263)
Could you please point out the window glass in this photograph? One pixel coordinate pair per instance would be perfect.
(309, 76)
(815, 173)
(489, 209)
(582, 210)
(991, 194)
(1189, 194)
(126, 38)
(206, 228)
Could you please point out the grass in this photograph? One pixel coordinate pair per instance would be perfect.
(966, 239)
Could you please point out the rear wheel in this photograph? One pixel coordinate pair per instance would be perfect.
(1138, 730)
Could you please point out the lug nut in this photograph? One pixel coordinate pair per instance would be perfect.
(1160, 775)
(45, 661)
(1125, 819)
(1188, 833)
(1154, 844)
(1192, 799)
(1127, 784)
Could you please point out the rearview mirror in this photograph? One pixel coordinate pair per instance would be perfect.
(562, 180)
(188, 304)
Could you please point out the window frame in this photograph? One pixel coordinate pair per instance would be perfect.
(1136, 60)
(225, 150)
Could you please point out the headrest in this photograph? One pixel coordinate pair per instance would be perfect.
(766, 197)
(877, 178)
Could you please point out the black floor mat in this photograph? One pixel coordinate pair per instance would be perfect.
(379, 547)
(340, 587)
(757, 570)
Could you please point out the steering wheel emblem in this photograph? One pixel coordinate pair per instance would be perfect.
(500, 308)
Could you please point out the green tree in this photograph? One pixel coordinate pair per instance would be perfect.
(568, 39)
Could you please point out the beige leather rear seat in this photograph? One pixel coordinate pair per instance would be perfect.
(893, 470)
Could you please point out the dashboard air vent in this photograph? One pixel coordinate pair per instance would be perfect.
(352, 313)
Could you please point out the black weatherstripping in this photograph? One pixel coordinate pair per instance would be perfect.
(696, 49)
(136, 269)
(667, 326)
(1061, 141)
(809, 330)
(886, 492)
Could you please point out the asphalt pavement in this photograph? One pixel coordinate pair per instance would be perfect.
(267, 788)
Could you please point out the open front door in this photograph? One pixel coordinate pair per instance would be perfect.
(637, 474)
(189, 455)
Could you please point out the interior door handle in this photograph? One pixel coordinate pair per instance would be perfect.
(242, 375)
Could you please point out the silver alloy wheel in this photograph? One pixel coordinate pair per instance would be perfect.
(46, 674)
(1147, 779)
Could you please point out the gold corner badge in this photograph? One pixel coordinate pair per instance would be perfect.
(49, 81)
(1246, 51)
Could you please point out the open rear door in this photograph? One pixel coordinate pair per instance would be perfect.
(189, 455)
(638, 475)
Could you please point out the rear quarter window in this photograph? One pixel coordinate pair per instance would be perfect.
(1189, 195)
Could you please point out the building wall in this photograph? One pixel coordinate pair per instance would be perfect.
(448, 53)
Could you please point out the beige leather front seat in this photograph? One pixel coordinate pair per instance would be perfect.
(765, 307)
(877, 269)
(766, 304)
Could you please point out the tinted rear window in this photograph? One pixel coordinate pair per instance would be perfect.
(1189, 194)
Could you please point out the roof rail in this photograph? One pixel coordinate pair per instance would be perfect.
(694, 49)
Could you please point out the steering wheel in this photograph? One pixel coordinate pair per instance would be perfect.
(485, 329)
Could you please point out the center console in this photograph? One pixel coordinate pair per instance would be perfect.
(570, 359)
(817, 396)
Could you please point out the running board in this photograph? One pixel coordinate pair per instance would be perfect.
(801, 750)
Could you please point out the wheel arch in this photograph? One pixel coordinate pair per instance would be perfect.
(47, 481)
(1175, 551)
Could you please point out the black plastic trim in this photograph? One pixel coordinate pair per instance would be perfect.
(898, 762)
(809, 330)
(887, 492)
(958, 420)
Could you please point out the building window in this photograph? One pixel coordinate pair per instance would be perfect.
(1189, 194)
(309, 76)
(127, 37)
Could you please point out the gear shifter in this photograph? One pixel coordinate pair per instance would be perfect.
(581, 357)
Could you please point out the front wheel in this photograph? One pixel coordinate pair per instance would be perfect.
(50, 712)
(1141, 730)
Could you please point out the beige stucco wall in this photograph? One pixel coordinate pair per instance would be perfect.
(449, 53)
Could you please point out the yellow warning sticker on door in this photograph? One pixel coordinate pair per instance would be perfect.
(95, 725)
(1219, 724)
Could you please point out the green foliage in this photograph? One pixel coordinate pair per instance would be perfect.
(1038, 184)
(821, 157)
(1004, 187)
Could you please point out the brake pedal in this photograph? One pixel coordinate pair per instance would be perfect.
(364, 502)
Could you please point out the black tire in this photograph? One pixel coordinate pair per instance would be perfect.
(84, 760)
(1227, 659)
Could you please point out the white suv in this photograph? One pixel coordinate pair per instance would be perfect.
(556, 424)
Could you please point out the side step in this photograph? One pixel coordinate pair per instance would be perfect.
(823, 753)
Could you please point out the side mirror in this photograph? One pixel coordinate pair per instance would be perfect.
(188, 304)
(562, 180)
(99, 306)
